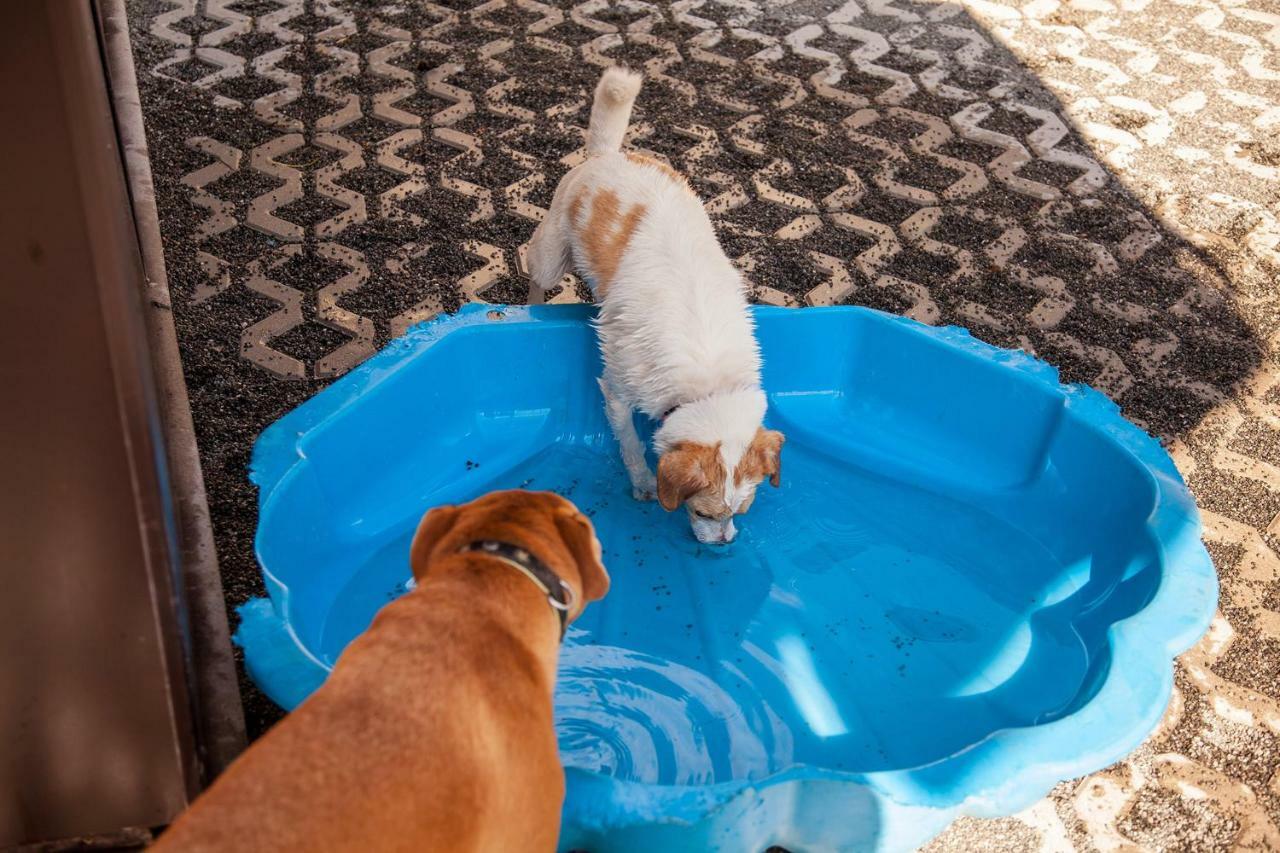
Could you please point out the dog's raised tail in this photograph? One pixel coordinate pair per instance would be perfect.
(611, 110)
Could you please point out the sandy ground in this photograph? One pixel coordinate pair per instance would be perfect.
(1096, 182)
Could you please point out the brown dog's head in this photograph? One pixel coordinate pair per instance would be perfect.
(698, 476)
(544, 524)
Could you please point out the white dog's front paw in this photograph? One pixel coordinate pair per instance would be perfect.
(645, 490)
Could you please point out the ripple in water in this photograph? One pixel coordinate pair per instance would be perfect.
(636, 717)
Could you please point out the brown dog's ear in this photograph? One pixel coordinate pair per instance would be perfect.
(681, 475)
(433, 527)
(764, 457)
(579, 534)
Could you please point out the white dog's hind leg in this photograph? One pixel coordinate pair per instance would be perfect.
(644, 485)
(549, 259)
(550, 254)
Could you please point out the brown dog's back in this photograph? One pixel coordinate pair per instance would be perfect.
(435, 730)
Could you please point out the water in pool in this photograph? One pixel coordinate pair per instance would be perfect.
(896, 611)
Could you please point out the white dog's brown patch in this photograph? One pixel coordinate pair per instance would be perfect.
(644, 160)
(691, 472)
(694, 474)
(763, 459)
(605, 234)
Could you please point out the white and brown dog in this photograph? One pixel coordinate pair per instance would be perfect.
(676, 334)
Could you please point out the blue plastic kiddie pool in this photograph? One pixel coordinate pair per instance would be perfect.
(970, 586)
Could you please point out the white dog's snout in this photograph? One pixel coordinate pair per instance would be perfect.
(713, 531)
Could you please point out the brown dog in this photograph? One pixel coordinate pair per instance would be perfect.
(434, 731)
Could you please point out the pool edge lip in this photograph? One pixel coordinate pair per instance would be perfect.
(1143, 644)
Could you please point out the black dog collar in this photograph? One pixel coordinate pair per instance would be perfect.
(559, 594)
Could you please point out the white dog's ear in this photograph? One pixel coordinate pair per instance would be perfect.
(682, 473)
(764, 457)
